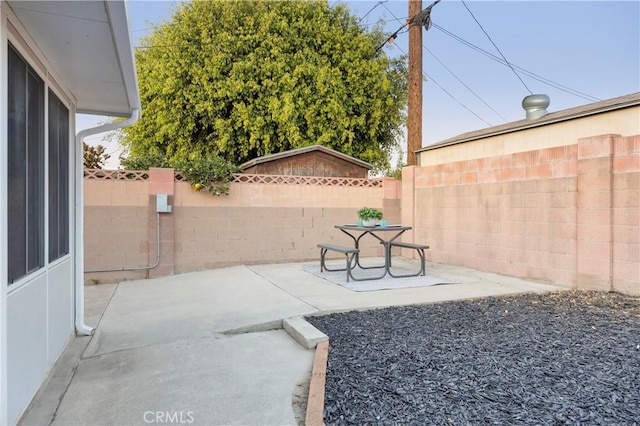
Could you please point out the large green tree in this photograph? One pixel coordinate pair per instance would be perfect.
(241, 79)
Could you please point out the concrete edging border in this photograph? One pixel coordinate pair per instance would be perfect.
(315, 401)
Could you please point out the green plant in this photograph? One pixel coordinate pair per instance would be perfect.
(396, 172)
(94, 157)
(144, 162)
(208, 172)
(367, 213)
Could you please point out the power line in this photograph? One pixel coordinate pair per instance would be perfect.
(442, 88)
(524, 71)
(393, 36)
(429, 78)
(454, 98)
(392, 14)
(371, 10)
(463, 83)
(144, 29)
(528, 73)
(368, 24)
(181, 46)
(114, 151)
(422, 18)
(494, 45)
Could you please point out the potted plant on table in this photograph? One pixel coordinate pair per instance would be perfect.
(369, 216)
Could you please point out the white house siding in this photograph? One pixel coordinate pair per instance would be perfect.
(38, 309)
(59, 308)
(26, 343)
(40, 323)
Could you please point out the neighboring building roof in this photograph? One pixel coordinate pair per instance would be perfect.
(88, 43)
(304, 150)
(554, 117)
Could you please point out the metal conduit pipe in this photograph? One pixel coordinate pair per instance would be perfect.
(138, 268)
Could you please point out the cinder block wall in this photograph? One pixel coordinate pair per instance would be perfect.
(568, 215)
(255, 223)
(625, 215)
(116, 228)
(259, 223)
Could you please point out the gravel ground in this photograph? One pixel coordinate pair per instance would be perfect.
(558, 358)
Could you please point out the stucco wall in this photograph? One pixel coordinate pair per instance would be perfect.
(568, 214)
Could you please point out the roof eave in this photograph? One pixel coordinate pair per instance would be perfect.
(121, 34)
(303, 150)
(552, 118)
(69, 51)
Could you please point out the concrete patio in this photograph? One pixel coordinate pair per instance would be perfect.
(208, 347)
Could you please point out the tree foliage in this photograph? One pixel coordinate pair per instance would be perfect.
(209, 172)
(242, 79)
(94, 157)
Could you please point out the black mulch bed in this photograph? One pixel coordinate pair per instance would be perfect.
(541, 359)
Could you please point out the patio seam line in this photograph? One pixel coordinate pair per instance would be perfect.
(51, 376)
(66, 389)
(95, 328)
(254, 328)
(289, 293)
(216, 336)
(106, 306)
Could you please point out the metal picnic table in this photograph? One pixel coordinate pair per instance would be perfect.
(386, 235)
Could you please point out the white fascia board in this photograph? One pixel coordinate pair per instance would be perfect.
(121, 32)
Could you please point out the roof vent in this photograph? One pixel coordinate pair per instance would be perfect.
(535, 106)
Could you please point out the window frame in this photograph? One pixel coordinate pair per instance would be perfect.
(43, 70)
(26, 172)
(60, 234)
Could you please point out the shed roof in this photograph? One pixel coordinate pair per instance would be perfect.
(621, 102)
(304, 150)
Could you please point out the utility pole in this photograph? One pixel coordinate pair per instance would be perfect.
(414, 113)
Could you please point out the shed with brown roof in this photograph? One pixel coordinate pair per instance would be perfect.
(315, 160)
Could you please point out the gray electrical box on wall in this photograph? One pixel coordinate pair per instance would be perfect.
(162, 203)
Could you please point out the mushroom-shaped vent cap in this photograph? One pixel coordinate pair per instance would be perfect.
(535, 106)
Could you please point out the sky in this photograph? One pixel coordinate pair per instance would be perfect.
(587, 50)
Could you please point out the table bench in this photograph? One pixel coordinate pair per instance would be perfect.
(420, 248)
(349, 253)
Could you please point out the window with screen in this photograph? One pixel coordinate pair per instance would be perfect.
(25, 171)
(58, 178)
